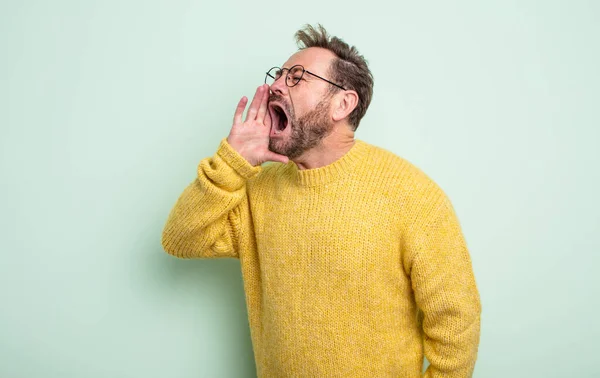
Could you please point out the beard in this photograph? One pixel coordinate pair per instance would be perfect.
(306, 132)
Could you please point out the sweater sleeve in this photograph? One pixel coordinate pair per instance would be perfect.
(212, 211)
(445, 292)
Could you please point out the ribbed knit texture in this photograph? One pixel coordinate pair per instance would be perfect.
(354, 269)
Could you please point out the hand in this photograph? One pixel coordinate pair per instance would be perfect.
(250, 138)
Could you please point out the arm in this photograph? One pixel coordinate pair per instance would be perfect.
(213, 212)
(208, 217)
(445, 291)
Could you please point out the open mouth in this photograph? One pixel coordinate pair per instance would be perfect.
(279, 119)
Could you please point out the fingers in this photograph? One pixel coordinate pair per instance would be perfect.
(258, 96)
(262, 110)
(267, 121)
(239, 111)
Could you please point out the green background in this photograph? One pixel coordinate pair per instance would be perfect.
(107, 107)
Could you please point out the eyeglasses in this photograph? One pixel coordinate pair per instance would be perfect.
(293, 77)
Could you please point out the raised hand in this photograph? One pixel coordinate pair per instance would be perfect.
(250, 138)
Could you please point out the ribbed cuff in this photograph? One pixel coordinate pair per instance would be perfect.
(237, 161)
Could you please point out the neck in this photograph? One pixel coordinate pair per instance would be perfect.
(331, 148)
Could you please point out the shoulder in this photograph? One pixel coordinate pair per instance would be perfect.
(396, 167)
(408, 182)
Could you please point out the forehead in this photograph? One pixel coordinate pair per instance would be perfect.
(313, 59)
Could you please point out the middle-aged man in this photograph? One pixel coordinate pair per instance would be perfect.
(353, 260)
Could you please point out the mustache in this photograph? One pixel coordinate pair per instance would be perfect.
(276, 97)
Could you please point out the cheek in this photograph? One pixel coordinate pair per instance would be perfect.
(300, 108)
(301, 102)
(309, 102)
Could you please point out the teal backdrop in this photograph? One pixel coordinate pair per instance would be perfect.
(107, 107)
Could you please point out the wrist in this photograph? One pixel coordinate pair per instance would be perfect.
(238, 147)
(236, 160)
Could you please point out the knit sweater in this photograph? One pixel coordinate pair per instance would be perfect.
(355, 269)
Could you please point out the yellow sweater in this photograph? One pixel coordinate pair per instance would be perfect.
(355, 269)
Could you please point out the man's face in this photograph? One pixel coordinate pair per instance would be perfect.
(300, 115)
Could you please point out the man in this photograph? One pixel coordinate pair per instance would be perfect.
(353, 260)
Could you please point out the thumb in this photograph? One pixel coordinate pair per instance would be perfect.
(272, 156)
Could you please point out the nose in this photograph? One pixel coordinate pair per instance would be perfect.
(279, 87)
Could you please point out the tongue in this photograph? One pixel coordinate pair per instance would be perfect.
(274, 132)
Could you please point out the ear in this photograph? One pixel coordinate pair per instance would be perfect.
(345, 102)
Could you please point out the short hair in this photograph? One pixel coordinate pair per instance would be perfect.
(349, 69)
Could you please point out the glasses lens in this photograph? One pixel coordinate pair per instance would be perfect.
(273, 74)
(295, 75)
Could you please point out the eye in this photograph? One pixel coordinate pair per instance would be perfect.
(296, 73)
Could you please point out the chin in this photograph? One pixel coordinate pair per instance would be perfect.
(275, 145)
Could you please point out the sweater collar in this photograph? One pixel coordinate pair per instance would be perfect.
(331, 172)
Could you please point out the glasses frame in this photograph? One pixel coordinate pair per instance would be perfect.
(301, 76)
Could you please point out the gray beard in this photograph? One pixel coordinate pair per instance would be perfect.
(307, 131)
